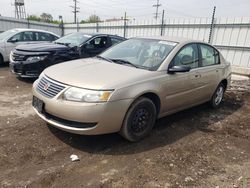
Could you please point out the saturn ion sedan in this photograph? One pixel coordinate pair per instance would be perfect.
(129, 86)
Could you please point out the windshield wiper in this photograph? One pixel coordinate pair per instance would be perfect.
(123, 61)
(65, 44)
(103, 58)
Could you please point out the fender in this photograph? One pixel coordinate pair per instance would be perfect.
(3, 54)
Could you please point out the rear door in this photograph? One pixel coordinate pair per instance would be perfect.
(209, 70)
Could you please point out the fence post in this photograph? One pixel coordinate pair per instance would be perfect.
(125, 25)
(212, 26)
(97, 26)
(77, 25)
(61, 25)
(162, 22)
(28, 22)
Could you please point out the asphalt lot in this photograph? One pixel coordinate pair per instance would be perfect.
(200, 147)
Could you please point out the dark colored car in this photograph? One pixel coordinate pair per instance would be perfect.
(30, 60)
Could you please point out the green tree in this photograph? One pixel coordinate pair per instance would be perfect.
(46, 17)
(34, 18)
(83, 22)
(93, 18)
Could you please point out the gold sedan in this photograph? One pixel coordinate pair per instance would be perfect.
(129, 86)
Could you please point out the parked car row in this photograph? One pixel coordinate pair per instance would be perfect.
(125, 88)
(31, 60)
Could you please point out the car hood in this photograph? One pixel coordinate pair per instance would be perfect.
(42, 47)
(93, 73)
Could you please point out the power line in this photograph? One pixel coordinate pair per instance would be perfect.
(157, 5)
(75, 9)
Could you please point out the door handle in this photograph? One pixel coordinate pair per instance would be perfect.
(197, 75)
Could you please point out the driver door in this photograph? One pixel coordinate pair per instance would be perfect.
(180, 89)
(96, 46)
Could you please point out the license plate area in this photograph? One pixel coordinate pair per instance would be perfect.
(38, 104)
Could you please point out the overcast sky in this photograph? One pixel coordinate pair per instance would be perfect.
(135, 8)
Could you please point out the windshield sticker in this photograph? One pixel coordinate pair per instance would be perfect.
(88, 36)
(167, 43)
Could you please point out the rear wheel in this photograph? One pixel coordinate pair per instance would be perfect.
(218, 96)
(139, 120)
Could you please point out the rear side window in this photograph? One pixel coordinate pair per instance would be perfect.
(187, 56)
(44, 36)
(53, 37)
(99, 42)
(209, 55)
(115, 40)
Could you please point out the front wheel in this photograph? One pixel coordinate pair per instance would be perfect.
(218, 96)
(1, 60)
(139, 120)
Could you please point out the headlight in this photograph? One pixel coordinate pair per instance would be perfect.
(85, 95)
(36, 58)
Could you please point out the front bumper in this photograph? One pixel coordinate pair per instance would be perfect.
(25, 69)
(82, 118)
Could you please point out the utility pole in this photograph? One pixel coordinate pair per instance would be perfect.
(75, 10)
(157, 5)
(212, 26)
(162, 22)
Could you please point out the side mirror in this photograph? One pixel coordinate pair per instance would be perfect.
(181, 68)
(13, 40)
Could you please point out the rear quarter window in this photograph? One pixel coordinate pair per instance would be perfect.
(210, 56)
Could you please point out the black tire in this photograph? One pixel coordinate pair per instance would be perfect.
(1, 60)
(217, 97)
(139, 120)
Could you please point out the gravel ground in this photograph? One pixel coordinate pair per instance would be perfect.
(199, 147)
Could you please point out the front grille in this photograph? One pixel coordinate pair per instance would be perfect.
(49, 88)
(18, 57)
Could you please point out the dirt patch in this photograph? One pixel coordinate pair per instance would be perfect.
(199, 147)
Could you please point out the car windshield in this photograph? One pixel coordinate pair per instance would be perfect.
(9, 33)
(141, 53)
(74, 39)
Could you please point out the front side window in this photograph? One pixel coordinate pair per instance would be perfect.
(28, 36)
(99, 42)
(210, 56)
(18, 37)
(187, 56)
(143, 53)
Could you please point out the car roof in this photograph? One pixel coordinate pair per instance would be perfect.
(98, 34)
(172, 39)
(38, 30)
